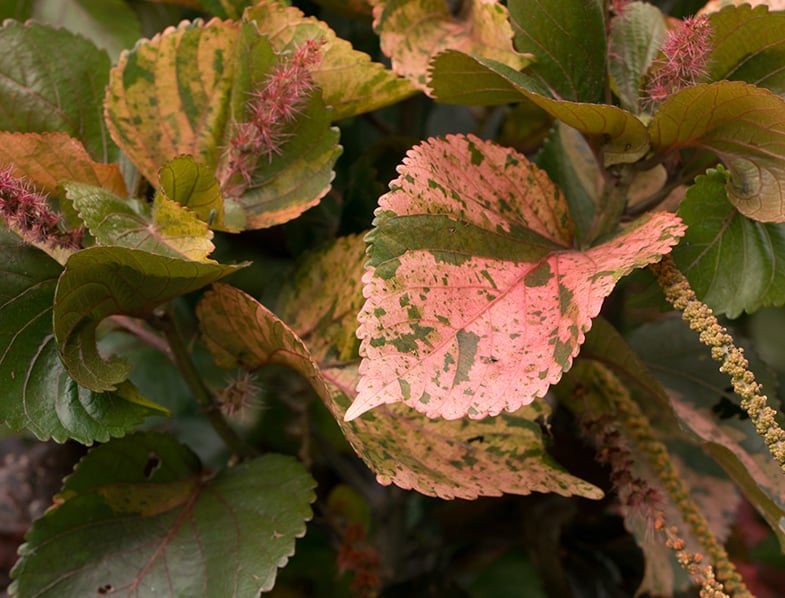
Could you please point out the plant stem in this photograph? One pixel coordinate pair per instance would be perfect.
(167, 324)
(611, 204)
(715, 336)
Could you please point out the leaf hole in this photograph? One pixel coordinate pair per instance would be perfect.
(152, 465)
(479, 438)
(105, 589)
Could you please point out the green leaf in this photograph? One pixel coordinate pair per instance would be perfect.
(458, 78)
(569, 162)
(748, 44)
(351, 84)
(226, 9)
(166, 229)
(48, 159)
(36, 391)
(112, 25)
(634, 42)
(734, 264)
(396, 442)
(103, 281)
(21, 10)
(567, 39)
(194, 186)
(743, 125)
(413, 31)
(140, 516)
(54, 80)
(477, 300)
(711, 413)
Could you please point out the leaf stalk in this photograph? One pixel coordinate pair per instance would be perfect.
(167, 324)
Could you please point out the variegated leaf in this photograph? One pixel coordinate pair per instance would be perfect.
(476, 300)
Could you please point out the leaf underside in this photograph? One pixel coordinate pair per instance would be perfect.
(742, 125)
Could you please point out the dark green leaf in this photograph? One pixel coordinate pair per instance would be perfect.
(103, 281)
(140, 517)
(54, 80)
(748, 44)
(734, 264)
(112, 25)
(569, 162)
(567, 39)
(226, 9)
(36, 392)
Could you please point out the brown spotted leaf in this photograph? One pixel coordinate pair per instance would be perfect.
(448, 459)
(413, 31)
(476, 300)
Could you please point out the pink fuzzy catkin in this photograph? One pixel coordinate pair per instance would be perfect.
(685, 56)
(29, 214)
(273, 105)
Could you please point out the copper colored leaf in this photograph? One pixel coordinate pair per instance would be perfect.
(350, 82)
(476, 300)
(469, 459)
(48, 159)
(102, 281)
(744, 126)
(458, 78)
(413, 31)
(140, 517)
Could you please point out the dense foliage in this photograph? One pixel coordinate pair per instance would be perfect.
(298, 273)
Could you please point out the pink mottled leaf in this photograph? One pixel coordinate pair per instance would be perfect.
(448, 459)
(476, 299)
